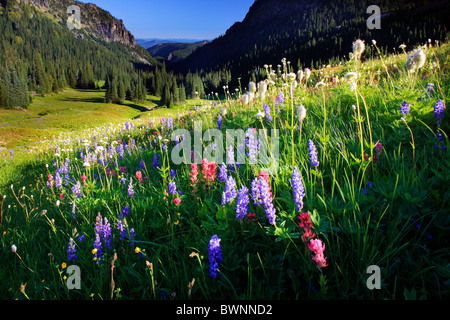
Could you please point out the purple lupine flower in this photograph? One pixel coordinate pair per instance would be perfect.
(439, 112)
(106, 233)
(66, 179)
(299, 190)
(98, 252)
(172, 187)
(170, 123)
(313, 154)
(131, 188)
(267, 112)
(98, 227)
(132, 235)
(156, 163)
(76, 189)
(215, 255)
(404, 109)
(242, 203)
(281, 97)
(98, 249)
(441, 140)
(255, 192)
(230, 191)
(11, 152)
(81, 238)
(252, 145)
(223, 175)
(233, 167)
(125, 212)
(58, 181)
(266, 199)
(279, 100)
(141, 254)
(230, 155)
(71, 251)
(123, 181)
(120, 150)
(173, 174)
(121, 228)
(430, 87)
(219, 121)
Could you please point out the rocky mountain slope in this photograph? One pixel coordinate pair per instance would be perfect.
(95, 21)
(312, 32)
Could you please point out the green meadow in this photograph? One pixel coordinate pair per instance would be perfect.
(70, 111)
(357, 208)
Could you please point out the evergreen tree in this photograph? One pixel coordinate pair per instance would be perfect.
(136, 94)
(13, 89)
(40, 76)
(114, 94)
(4, 87)
(111, 95)
(72, 76)
(86, 77)
(120, 92)
(158, 83)
(165, 98)
(143, 91)
(175, 92)
(182, 93)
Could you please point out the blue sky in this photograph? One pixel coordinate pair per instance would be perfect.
(193, 19)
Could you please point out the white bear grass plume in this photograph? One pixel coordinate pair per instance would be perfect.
(415, 60)
(358, 48)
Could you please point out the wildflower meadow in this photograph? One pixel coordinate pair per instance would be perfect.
(336, 172)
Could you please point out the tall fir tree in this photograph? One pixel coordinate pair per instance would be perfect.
(182, 93)
(120, 91)
(40, 75)
(175, 92)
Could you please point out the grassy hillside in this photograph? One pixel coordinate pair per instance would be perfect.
(362, 180)
(71, 111)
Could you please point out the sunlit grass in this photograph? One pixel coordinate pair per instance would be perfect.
(369, 205)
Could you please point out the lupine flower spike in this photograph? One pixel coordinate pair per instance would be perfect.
(242, 203)
(313, 154)
(215, 255)
(299, 190)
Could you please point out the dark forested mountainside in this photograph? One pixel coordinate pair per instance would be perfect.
(314, 32)
(176, 51)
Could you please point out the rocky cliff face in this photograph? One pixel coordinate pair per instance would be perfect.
(103, 25)
(94, 20)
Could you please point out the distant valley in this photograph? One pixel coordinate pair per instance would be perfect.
(150, 42)
(174, 51)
